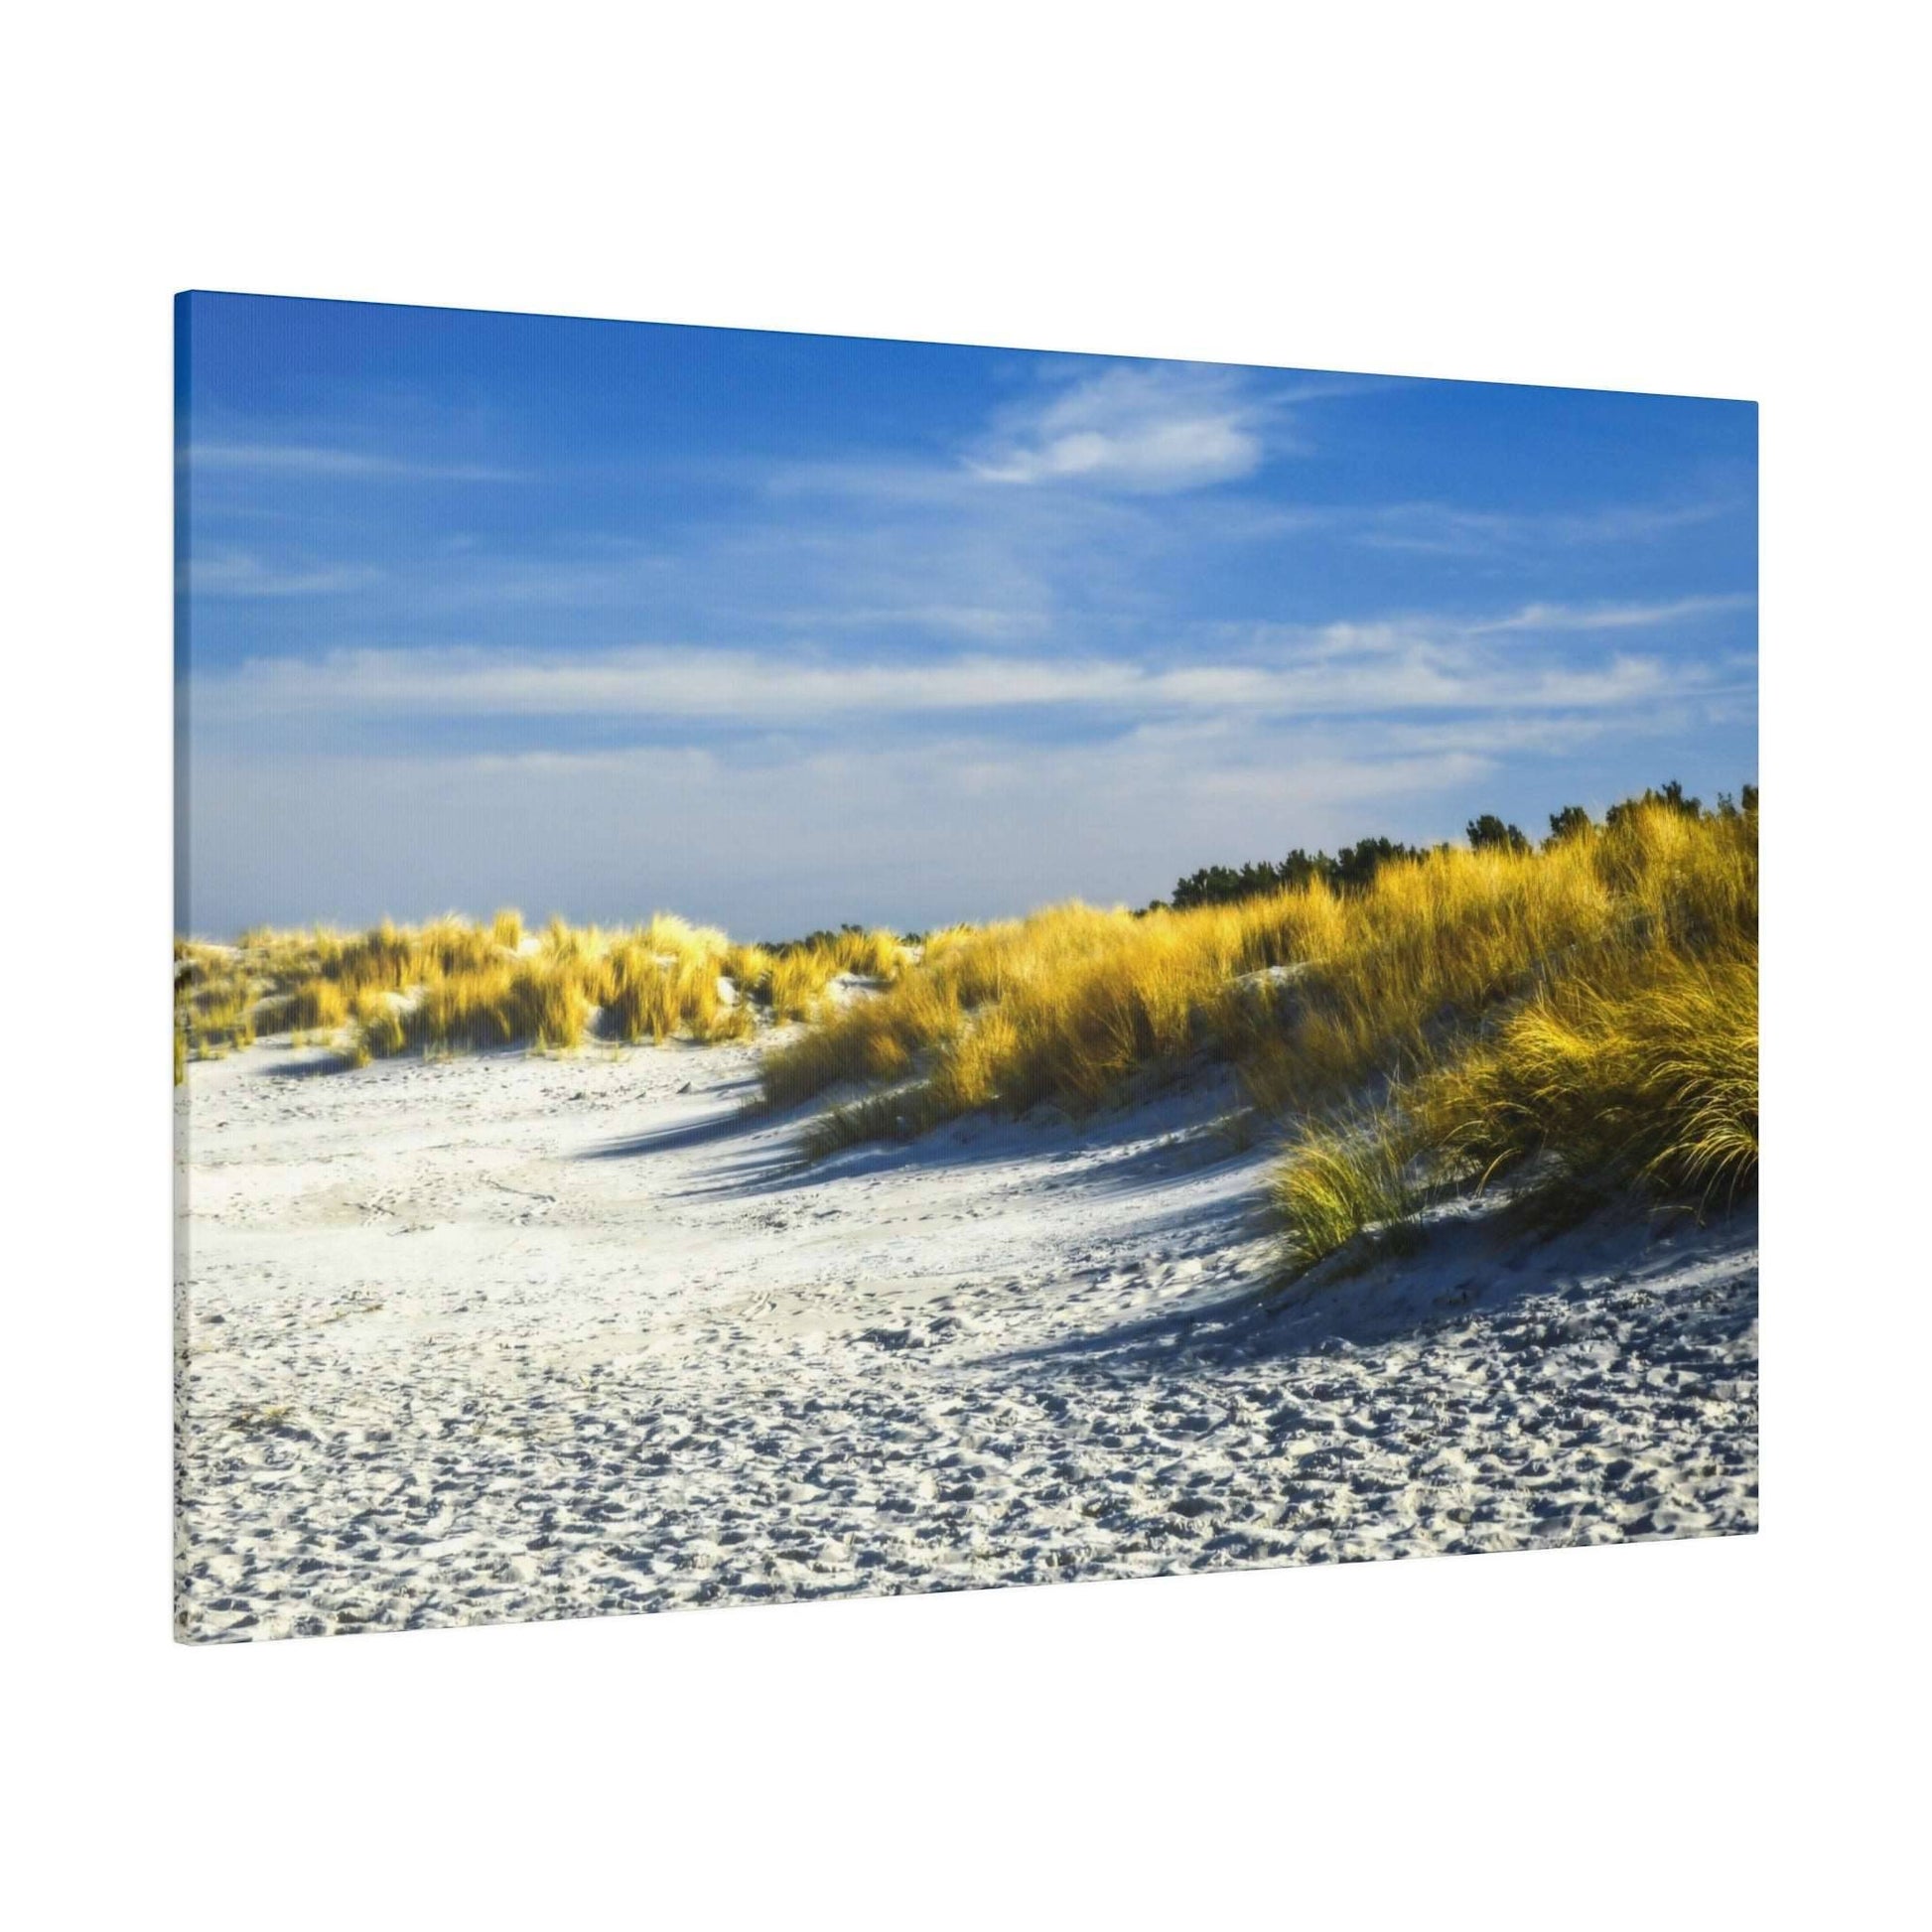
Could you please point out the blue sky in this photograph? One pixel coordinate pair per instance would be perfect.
(780, 630)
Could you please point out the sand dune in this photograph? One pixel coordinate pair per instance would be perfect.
(520, 1337)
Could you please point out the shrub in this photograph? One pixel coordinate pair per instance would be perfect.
(1668, 797)
(1573, 822)
(1356, 866)
(1489, 834)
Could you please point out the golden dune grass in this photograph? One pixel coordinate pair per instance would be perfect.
(1312, 995)
(1645, 1073)
(796, 982)
(876, 956)
(214, 1000)
(796, 978)
(1343, 1178)
(1639, 1078)
(450, 985)
(1073, 1002)
(1589, 1010)
(1627, 1064)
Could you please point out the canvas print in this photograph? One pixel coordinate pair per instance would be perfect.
(813, 967)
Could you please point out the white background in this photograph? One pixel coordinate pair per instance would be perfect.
(1680, 197)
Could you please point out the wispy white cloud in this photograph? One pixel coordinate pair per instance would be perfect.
(1406, 665)
(239, 572)
(1450, 530)
(1543, 618)
(1151, 429)
(318, 461)
(953, 674)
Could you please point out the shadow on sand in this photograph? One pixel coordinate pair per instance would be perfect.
(316, 1061)
(1477, 1262)
(719, 1124)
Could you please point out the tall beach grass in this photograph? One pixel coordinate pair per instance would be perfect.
(1582, 1016)
(1589, 1006)
(452, 985)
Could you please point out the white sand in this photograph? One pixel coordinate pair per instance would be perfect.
(516, 1337)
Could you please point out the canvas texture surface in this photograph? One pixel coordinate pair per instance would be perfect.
(813, 967)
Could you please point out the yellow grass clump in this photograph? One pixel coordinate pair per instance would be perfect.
(796, 982)
(798, 976)
(317, 1005)
(499, 1006)
(749, 968)
(1345, 1179)
(1647, 1077)
(875, 955)
(450, 985)
(380, 1032)
(648, 991)
(215, 992)
(1627, 1063)
(1641, 1079)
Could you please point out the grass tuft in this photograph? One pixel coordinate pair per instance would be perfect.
(1645, 1081)
(796, 981)
(1338, 1184)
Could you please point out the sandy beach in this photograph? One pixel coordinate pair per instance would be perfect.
(500, 1337)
